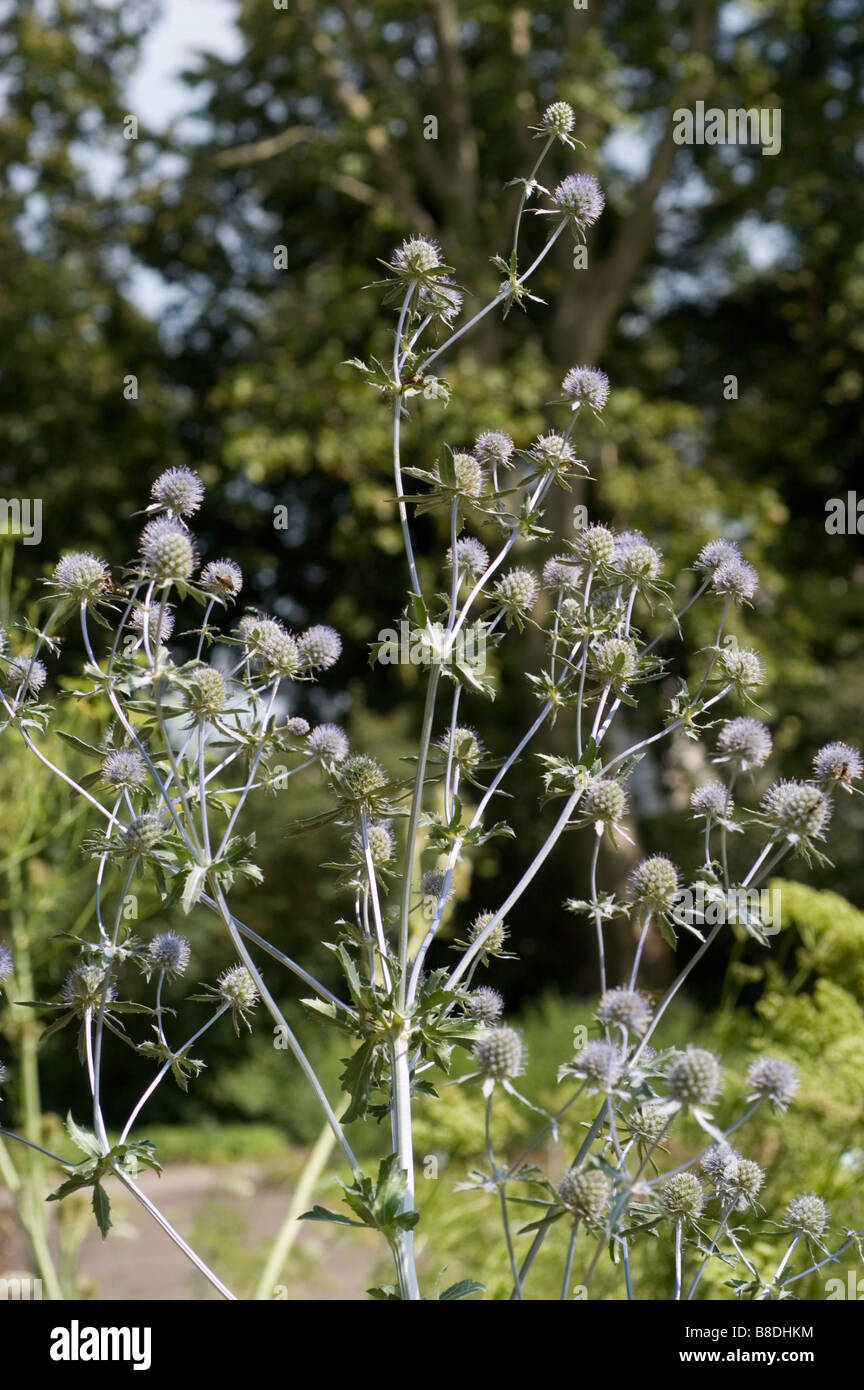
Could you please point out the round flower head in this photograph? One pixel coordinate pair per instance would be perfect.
(595, 545)
(647, 1124)
(141, 619)
(499, 1054)
(741, 1184)
(683, 1197)
(6, 963)
(558, 119)
(471, 556)
(124, 767)
(382, 845)
(206, 696)
(586, 385)
(601, 1063)
(467, 748)
(694, 1077)
(179, 491)
(712, 801)
(806, 1215)
(797, 810)
(838, 764)
(580, 198)
(516, 591)
(222, 578)
(296, 726)
(329, 743)
(719, 1163)
(641, 564)
(81, 576)
(735, 578)
(442, 299)
(770, 1079)
(742, 667)
(168, 551)
(560, 573)
(551, 451)
(485, 1005)
(83, 987)
(586, 1193)
(320, 648)
(615, 661)
(143, 834)
(745, 743)
(26, 673)
(605, 801)
(654, 883)
(495, 448)
(717, 552)
(624, 1008)
(432, 883)
(273, 650)
(361, 777)
(470, 479)
(169, 952)
(238, 990)
(494, 943)
(416, 257)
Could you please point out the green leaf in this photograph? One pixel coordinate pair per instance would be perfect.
(322, 1214)
(101, 1209)
(83, 1139)
(464, 1289)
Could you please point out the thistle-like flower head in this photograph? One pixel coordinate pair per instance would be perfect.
(586, 1192)
(169, 952)
(838, 765)
(595, 546)
(329, 743)
(168, 551)
(587, 385)
(580, 198)
(601, 1063)
(485, 1005)
(320, 648)
(694, 1077)
(124, 767)
(745, 743)
(82, 989)
(624, 1008)
(26, 673)
(807, 1215)
(772, 1079)
(683, 1197)
(499, 1054)
(222, 578)
(654, 883)
(799, 811)
(81, 576)
(516, 591)
(494, 448)
(712, 800)
(179, 491)
(238, 990)
(605, 801)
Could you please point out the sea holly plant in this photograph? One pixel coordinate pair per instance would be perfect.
(195, 721)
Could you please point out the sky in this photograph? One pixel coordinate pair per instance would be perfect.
(186, 27)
